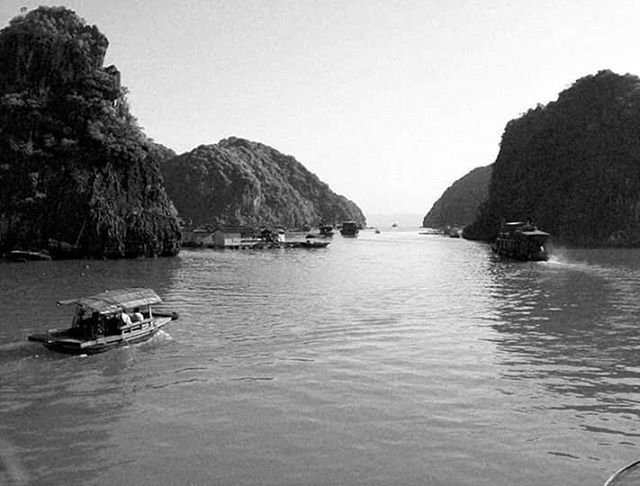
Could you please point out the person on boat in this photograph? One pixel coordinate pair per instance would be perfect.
(94, 326)
(78, 318)
(137, 315)
(125, 318)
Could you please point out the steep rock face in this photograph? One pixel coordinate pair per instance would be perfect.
(573, 166)
(74, 166)
(458, 205)
(241, 182)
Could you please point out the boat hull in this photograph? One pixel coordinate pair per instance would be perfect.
(63, 342)
(524, 249)
(314, 244)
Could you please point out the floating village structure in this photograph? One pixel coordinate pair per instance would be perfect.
(243, 238)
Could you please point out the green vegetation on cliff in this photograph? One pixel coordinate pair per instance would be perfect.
(238, 182)
(74, 165)
(573, 166)
(458, 205)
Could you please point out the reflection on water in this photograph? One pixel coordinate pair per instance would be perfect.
(571, 327)
(393, 358)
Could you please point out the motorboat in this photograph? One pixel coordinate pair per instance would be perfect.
(349, 229)
(521, 241)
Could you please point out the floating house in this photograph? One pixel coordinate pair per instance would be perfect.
(233, 237)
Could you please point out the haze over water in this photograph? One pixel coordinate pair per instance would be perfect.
(393, 358)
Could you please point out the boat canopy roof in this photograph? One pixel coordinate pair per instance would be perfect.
(114, 301)
(535, 232)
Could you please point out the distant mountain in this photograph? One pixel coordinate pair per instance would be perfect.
(76, 171)
(572, 166)
(239, 182)
(458, 205)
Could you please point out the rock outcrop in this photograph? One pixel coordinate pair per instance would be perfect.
(572, 166)
(76, 172)
(239, 182)
(458, 205)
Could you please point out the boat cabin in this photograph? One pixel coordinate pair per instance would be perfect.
(326, 230)
(116, 312)
(349, 228)
(522, 241)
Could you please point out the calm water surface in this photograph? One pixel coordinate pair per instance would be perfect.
(393, 358)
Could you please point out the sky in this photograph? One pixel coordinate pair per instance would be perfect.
(389, 102)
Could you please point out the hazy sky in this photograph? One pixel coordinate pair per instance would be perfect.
(389, 102)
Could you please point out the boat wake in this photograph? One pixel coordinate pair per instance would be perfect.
(561, 260)
(15, 350)
(11, 346)
(158, 338)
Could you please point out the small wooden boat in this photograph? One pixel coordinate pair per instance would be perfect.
(102, 322)
(27, 255)
(326, 231)
(314, 244)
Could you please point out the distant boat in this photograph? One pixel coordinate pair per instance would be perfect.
(23, 255)
(314, 244)
(98, 325)
(521, 241)
(454, 232)
(326, 231)
(394, 225)
(61, 249)
(349, 229)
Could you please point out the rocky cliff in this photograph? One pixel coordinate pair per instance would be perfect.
(458, 205)
(76, 172)
(239, 182)
(573, 166)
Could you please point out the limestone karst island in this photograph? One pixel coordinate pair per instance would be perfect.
(78, 177)
(572, 166)
(356, 251)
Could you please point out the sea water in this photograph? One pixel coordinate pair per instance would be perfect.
(391, 358)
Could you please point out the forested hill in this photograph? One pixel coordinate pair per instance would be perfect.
(458, 205)
(573, 166)
(76, 172)
(239, 182)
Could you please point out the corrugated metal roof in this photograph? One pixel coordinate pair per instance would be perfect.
(535, 232)
(116, 300)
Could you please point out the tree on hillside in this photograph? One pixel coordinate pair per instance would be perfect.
(74, 165)
(573, 166)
